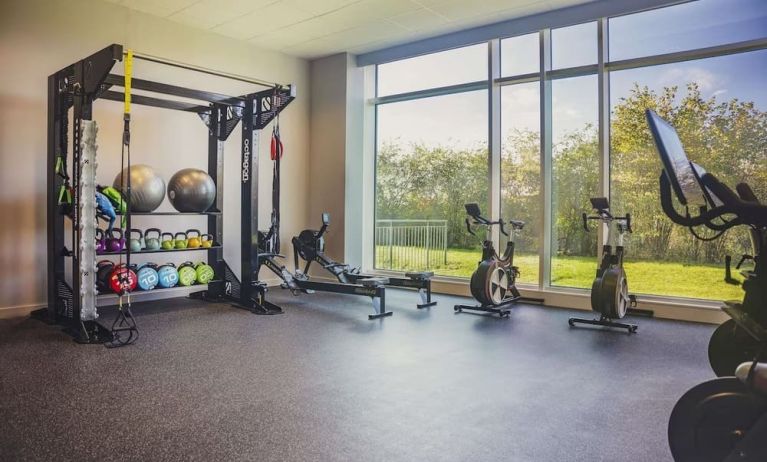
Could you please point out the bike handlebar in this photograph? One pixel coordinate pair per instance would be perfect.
(481, 221)
(606, 217)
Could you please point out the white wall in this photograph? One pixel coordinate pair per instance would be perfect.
(39, 37)
(328, 149)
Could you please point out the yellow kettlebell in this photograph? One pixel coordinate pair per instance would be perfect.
(179, 243)
(206, 240)
(193, 241)
(167, 244)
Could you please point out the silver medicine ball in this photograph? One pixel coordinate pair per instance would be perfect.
(191, 190)
(147, 187)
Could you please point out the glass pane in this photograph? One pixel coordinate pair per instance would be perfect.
(718, 106)
(575, 179)
(687, 26)
(521, 172)
(574, 46)
(452, 67)
(429, 163)
(520, 55)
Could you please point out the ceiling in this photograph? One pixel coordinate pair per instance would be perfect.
(314, 28)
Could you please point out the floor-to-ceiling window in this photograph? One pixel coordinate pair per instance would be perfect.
(571, 108)
(431, 159)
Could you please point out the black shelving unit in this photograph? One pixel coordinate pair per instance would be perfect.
(213, 212)
(144, 251)
(77, 87)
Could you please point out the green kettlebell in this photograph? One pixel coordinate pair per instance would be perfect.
(152, 243)
(205, 273)
(167, 244)
(206, 241)
(186, 274)
(136, 245)
(193, 238)
(179, 243)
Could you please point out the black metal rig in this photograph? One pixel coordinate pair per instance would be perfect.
(78, 86)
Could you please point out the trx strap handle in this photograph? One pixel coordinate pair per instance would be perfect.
(125, 322)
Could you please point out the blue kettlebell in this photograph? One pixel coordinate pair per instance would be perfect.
(147, 276)
(167, 276)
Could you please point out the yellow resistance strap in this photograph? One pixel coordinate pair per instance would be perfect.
(128, 76)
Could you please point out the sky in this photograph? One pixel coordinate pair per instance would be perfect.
(461, 120)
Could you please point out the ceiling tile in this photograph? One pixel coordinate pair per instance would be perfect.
(460, 9)
(340, 41)
(157, 8)
(320, 7)
(210, 13)
(419, 20)
(270, 18)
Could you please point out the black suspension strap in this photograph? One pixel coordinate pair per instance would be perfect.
(124, 328)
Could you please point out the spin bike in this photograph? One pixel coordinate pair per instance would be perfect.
(309, 245)
(609, 292)
(493, 283)
(724, 419)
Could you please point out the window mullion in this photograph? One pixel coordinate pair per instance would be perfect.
(494, 134)
(544, 279)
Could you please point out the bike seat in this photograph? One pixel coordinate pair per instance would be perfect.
(517, 224)
(374, 282)
(420, 276)
(759, 382)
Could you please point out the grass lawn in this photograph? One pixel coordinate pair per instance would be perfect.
(645, 277)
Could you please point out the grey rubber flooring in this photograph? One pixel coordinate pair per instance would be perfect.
(208, 382)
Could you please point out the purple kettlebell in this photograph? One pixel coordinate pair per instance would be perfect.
(115, 244)
(101, 244)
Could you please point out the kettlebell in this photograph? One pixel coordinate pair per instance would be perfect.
(204, 273)
(206, 241)
(103, 271)
(186, 274)
(193, 242)
(147, 276)
(136, 245)
(152, 243)
(122, 279)
(101, 243)
(166, 244)
(167, 276)
(115, 244)
(179, 243)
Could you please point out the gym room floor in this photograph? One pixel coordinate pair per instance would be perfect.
(322, 383)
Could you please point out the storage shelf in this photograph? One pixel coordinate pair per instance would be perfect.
(123, 252)
(106, 298)
(210, 212)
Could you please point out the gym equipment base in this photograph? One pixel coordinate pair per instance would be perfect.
(264, 308)
(604, 321)
(502, 309)
(372, 291)
(607, 322)
(84, 332)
